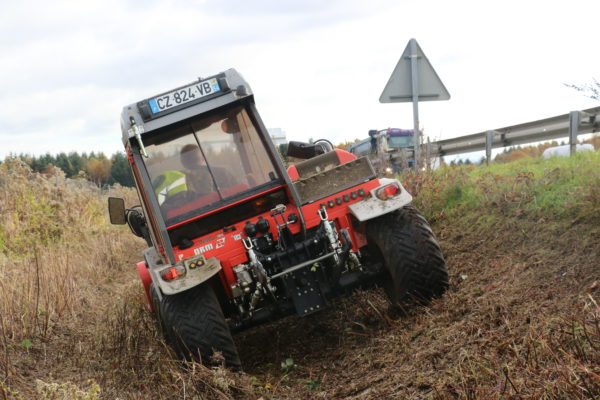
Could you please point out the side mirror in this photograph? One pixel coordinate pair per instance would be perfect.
(304, 150)
(116, 211)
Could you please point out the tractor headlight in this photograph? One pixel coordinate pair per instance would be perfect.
(196, 262)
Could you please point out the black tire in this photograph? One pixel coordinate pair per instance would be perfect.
(156, 308)
(405, 244)
(195, 325)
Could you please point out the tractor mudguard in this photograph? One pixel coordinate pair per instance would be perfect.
(373, 207)
(142, 268)
(192, 278)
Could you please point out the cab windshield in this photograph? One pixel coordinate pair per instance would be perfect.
(207, 163)
(397, 142)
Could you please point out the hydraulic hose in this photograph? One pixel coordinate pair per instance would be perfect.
(337, 268)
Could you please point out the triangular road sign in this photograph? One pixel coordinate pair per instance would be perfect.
(399, 86)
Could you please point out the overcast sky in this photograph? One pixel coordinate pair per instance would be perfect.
(317, 68)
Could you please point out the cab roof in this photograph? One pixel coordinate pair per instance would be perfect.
(181, 103)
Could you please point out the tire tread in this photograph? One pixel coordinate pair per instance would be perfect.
(195, 325)
(411, 254)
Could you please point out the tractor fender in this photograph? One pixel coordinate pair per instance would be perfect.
(373, 207)
(192, 278)
(144, 274)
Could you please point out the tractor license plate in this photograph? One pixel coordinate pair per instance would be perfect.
(184, 95)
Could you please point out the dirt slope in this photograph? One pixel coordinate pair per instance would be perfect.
(514, 287)
(520, 321)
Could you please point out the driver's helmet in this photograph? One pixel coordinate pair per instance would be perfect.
(168, 183)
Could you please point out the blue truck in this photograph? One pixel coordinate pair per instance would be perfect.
(390, 150)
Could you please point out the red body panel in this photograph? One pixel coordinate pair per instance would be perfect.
(222, 208)
(206, 200)
(344, 156)
(293, 173)
(229, 249)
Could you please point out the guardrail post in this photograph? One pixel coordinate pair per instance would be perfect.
(489, 139)
(574, 118)
(428, 154)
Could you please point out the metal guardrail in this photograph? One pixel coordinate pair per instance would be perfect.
(568, 125)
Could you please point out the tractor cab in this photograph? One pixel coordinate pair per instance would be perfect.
(206, 163)
(201, 159)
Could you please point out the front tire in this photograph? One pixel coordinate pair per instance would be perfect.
(194, 325)
(404, 242)
(157, 308)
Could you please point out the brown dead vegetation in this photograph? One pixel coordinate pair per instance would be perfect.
(516, 324)
(521, 321)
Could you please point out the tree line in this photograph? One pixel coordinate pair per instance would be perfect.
(96, 167)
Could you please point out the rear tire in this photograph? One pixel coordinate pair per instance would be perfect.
(405, 244)
(194, 325)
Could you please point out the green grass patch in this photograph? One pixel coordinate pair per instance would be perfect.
(560, 187)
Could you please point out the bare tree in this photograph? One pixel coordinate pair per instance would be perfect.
(591, 90)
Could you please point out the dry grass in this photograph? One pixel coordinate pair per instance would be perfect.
(56, 246)
(521, 320)
(73, 320)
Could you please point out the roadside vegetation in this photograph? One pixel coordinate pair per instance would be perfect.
(97, 168)
(521, 320)
(554, 189)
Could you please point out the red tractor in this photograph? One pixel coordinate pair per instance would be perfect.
(235, 239)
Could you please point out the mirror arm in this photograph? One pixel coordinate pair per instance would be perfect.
(137, 131)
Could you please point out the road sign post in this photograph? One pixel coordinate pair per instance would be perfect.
(414, 79)
(414, 68)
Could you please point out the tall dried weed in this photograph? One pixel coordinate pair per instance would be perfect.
(69, 295)
(55, 247)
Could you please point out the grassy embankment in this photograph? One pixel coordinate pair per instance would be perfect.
(520, 321)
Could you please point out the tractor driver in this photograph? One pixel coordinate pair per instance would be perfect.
(198, 177)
